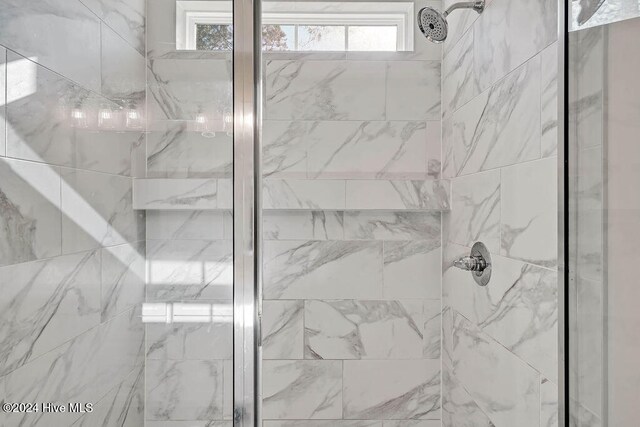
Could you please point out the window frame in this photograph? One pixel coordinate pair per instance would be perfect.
(359, 14)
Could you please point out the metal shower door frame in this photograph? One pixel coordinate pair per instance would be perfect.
(246, 212)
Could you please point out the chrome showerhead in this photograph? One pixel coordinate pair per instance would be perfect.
(433, 23)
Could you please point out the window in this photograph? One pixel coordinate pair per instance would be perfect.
(301, 26)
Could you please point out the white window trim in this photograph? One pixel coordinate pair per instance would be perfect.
(398, 14)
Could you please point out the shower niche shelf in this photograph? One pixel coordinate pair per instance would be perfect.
(295, 194)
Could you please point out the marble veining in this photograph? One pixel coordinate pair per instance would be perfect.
(412, 269)
(29, 211)
(123, 278)
(497, 127)
(363, 329)
(188, 194)
(44, 304)
(311, 225)
(304, 194)
(458, 408)
(190, 341)
(283, 329)
(413, 90)
(390, 195)
(392, 389)
(185, 225)
(459, 79)
(302, 389)
(123, 70)
(126, 17)
(392, 225)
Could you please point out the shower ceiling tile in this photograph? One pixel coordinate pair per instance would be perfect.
(325, 90)
(504, 387)
(40, 126)
(413, 90)
(361, 329)
(184, 390)
(30, 211)
(509, 32)
(392, 389)
(61, 35)
(322, 269)
(528, 215)
(412, 269)
(303, 389)
(498, 128)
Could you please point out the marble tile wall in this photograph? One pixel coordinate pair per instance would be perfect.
(499, 150)
(72, 248)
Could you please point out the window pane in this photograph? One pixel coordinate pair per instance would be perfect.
(278, 37)
(214, 37)
(378, 38)
(321, 37)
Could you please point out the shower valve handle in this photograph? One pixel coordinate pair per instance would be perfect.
(471, 263)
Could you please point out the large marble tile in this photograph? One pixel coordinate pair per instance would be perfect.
(434, 149)
(3, 101)
(176, 194)
(184, 390)
(549, 61)
(475, 211)
(122, 348)
(411, 423)
(127, 18)
(528, 215)
(187, 89)
(43, 304)
(30, 212)
(70, 373)
(97, 211)
(392, 226)
(283, 329)
(303, 389)
(510, 32)
(325, 90)
(460, 23)
(503, 386)
(458, 408)
(304, 194)
(413, 90)
(185, 225)
(498, 127)
(368, 150)
(388, 389)
(459, 80)
(432, 348)
(285, 147)
(63, 36)
(390, 195)
(322, 269)
(549, 405)
(321, 423)
(363, 329)
(123, 68)
(178, 149)
(40, 126)
(312, 225)
(190, 341)
(412, 269)
(189, 269)
(123, 406)
(208, 423)
(123, 278)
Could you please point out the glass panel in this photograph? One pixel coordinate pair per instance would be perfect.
(373, 38)
(321, 37)
(604, 203)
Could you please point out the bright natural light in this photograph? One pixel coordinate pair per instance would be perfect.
(301, 26)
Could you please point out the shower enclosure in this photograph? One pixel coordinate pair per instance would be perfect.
(253, 213)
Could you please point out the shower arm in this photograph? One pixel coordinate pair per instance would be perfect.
(478, 6)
